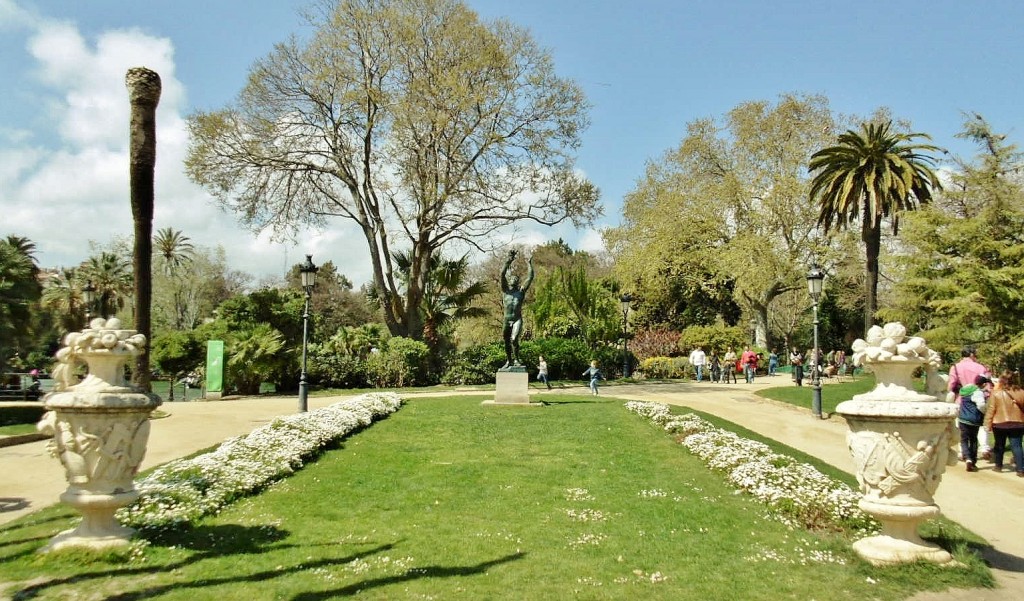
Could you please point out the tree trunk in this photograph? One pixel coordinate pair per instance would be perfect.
(144, 94)
(872, 237)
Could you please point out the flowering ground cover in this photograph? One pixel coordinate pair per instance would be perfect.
(795, 492)
(448, 499)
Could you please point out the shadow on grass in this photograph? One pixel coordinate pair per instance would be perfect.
(580, 401)
(207, 542)
(154, 591)
(31, 520)
(22, 541)
(413, 574)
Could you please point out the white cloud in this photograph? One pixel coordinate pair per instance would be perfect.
(14, 17)
(66, 196)
(76, 191)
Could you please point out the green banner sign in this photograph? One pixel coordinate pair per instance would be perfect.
(215, 366)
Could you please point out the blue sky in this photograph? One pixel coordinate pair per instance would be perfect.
(648, 67)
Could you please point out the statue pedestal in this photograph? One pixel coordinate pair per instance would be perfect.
(512, 387)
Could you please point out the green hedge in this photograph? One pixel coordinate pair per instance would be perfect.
(21, 414)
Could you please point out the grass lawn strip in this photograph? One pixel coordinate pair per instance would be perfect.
(797, 493)
(451, 500)
(184, 490)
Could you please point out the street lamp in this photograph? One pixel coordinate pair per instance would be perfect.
(625, 299)
(308, 273)
(815, 277)
(88, 295)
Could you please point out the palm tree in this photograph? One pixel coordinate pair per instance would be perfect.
(446, 295)
(112, 277)
(174, 251)
(144, 94)
(870, 175)
(62, 295)
(19, 289)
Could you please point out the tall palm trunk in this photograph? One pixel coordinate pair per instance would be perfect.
(872, 237)
(144, 94)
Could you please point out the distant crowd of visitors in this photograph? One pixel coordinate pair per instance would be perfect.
(724, 369)
(988, 405)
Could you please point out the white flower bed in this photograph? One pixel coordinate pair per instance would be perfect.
(184, 490)
(794, 490)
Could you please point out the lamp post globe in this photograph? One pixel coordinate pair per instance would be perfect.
(815, 278)
(307, 272)
(626, 299)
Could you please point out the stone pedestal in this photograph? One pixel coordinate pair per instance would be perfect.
(512, 387)
(100, 428)
(900, 441)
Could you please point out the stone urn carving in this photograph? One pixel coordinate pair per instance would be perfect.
(901, 441)
(100, 428)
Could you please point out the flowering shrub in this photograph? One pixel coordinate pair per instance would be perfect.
(184, 490)
(796, 492)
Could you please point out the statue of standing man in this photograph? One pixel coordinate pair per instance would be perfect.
(512, 300)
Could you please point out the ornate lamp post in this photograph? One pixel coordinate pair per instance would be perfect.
(88, 296)
(625, 299)
(308, 273)
(815, 277)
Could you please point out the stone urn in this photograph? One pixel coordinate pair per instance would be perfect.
(901, 441)
(100, 428)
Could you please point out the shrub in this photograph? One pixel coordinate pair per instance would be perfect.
(475, 365)
(21, 414)
(256, 355)
(654, 343)
(335, 370)
(665, 367)
(402, 362)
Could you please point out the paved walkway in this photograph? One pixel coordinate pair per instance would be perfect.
(990, 504)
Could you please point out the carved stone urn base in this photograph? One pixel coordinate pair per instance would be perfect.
(98, 528)
(899, 541)
(900, 441)
(100, 427)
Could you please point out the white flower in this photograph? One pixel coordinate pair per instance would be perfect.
(184, 490)
(792, 490)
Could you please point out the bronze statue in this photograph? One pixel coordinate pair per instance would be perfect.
(512, 300)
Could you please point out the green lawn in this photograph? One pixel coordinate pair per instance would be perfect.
(15, 429)
(448, 499)
(832, 393)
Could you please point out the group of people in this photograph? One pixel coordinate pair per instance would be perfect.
(723, 369)
(593, 374)
(828, 364)
(987, 405)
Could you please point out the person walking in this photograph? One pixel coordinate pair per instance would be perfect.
(729, 366)
(749, 361)
(796, 359)
(970, 418)
(698, 359)
(1004, 417)
(715, 365)
(594, 374)
(542, 371)
(773, 362)
(962, 374)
